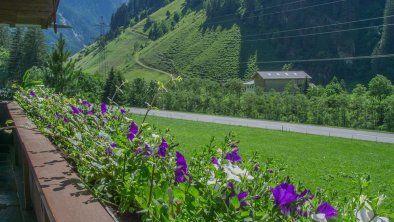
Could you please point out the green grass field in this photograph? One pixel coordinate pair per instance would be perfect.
(317, 161)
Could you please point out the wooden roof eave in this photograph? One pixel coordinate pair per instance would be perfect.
(26, 12)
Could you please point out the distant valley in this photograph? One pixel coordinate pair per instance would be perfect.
(84, 18)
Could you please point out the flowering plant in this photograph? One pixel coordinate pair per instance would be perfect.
(136, 168)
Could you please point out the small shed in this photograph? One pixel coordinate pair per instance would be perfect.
(28, 12)
(249, 86)
(277, 80)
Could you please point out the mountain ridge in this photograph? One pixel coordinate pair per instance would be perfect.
(84, 18)
(202, 45)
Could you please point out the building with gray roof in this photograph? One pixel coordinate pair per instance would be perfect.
(278, 80)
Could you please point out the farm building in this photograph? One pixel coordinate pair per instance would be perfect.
(277, 80)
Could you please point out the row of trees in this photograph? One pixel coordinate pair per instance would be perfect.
(23, 50)
(20, 50)
(370, 107)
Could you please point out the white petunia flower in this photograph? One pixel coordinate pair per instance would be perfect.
(236, 173)
(319, 217)
(212, 180)
(366, 215)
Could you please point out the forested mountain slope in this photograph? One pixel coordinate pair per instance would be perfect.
(83, 16)
(222, 39)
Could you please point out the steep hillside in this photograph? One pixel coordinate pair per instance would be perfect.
(83, 16)
(222, 40)
(120, 54)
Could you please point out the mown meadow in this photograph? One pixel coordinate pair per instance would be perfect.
(316, 161)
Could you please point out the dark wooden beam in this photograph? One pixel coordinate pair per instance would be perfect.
(39, 12)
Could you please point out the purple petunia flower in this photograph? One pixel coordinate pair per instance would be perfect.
(328, 210)
(109, 151)
(181, 172)
(133, 131)
(75, 110)
(284, 195)
(215, 161)
(270, 171)
(180, 160)
(123, 111)
(58, 115)
(233, 156)
(91, 112)
(86, 103)
(138, 151)
(103, 108)
(230, 185)
(305, 195)
(256, 168)
(66, 120)
(241, 198)
(148, 150)
(49, 126)
(32, 93)
(163, 148)
(242, 195)
(233, 146)
(46, 96)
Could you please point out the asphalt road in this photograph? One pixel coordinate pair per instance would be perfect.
(282, 126)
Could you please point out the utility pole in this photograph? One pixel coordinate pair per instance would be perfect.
(103, 65)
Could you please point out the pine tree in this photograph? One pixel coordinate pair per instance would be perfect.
(61, 70)
(34, 49)
(4, 53)
(112, 88)
(137, 94)
(15, 66)
(4, 38)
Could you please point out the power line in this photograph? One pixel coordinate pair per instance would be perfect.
(313, 34)
(261, 9)
(290, 10)
(320, 26)
(103, 66)
(326, 59)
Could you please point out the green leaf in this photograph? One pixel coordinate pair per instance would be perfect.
(142, 212)
(97, 165)
(235, 203)
(9, 122)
